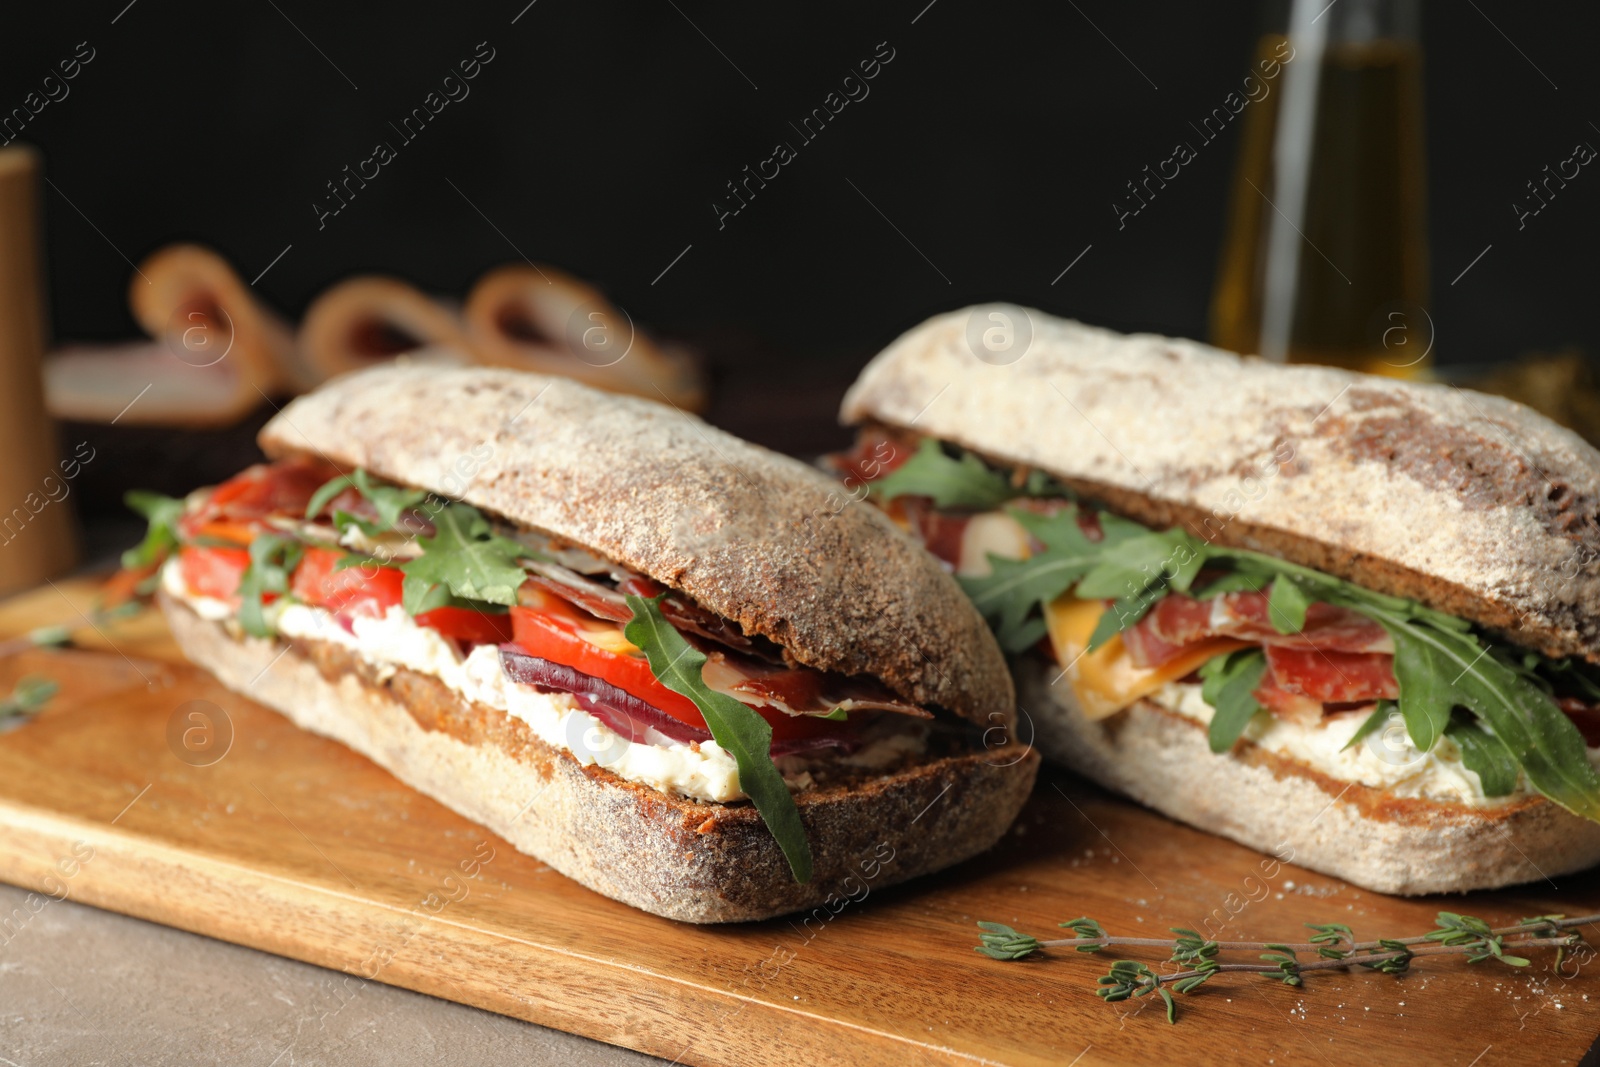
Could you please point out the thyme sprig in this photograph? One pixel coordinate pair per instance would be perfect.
(1333, 944)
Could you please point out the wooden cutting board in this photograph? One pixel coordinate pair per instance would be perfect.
(292, 844)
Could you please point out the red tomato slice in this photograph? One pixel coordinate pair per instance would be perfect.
(554, 638)
(358, 590)
(370, 590)
(213, 572)
(465, 624)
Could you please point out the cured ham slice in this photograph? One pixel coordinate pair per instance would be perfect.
(1339, 657)
(1327, 627)
(1180, 620)
(540, 319)
(1286, 704)
(1333, 677)
(216, 352)
(370, 319)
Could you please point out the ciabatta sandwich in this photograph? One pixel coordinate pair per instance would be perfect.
(1345, 618)
(660, 659)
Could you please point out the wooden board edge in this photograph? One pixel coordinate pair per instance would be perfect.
(60, 858)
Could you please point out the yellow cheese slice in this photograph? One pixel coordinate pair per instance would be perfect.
(1105, 681)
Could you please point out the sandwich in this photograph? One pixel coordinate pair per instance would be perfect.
(650, 654)
(1346, 619)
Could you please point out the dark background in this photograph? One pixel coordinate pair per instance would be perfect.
(601, 133)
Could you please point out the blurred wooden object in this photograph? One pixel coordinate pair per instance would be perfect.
(216, 352)
(370, 319)
(1560, 385)
(36, 535)
(540, 319)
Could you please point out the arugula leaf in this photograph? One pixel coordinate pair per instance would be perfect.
(390, 502)
(418, 596)
(467, 558)
(1439, 669)
(272, 558)
(1009, 594)
(1576, 673)
(162, 512)
(1133, 559)
(1481, 753)
(1227, 683)
(1131, 562)
(1380, 715)
(736, 727)
(1287, 605)
(967, 482)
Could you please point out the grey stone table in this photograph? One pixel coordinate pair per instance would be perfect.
(80, 986)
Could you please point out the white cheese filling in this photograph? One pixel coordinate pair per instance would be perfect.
(1384, 759)
(702, 770)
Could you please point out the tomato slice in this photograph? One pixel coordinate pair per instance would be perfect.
(358, 590)
(465, 624)
(213, 572)
(554, 637)
(370, 590)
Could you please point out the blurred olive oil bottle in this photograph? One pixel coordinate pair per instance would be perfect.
(1325, 259)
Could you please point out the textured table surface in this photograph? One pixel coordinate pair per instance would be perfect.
(83, 986)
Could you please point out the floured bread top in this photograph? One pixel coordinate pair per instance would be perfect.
(1470, 503)
(758, 538)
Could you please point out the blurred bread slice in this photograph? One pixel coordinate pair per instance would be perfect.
(371, 319)
(537, 318)
(216, 352)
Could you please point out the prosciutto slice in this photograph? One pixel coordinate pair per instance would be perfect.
(1339, 657)
(1179, 620)
(1332, 677)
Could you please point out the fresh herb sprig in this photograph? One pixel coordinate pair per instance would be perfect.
(32, 692)
(1333, 946)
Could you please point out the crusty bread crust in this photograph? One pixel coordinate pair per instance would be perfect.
(755, 537)
(682, 859)
(1277, 804)
(1473, 504)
